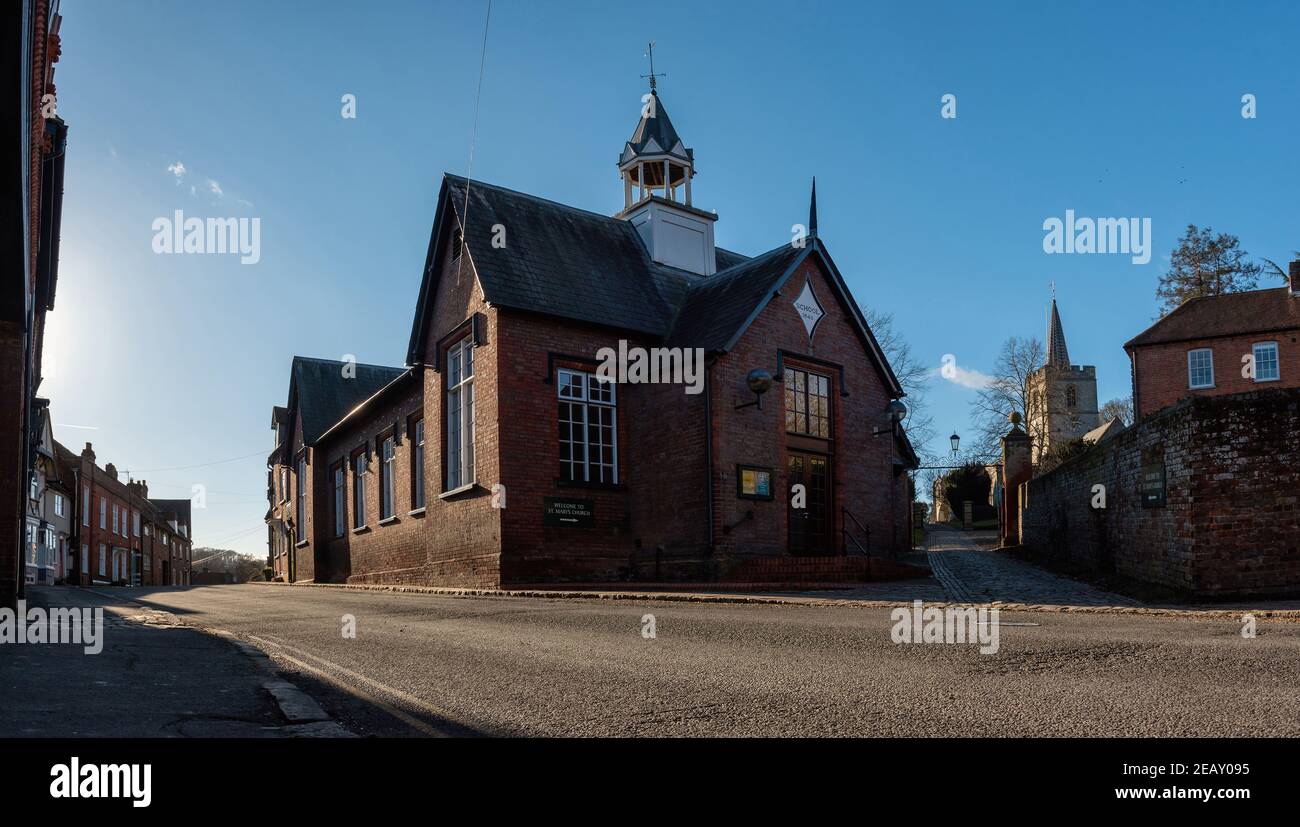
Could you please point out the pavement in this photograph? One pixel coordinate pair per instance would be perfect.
(154, 678)
(431, 665)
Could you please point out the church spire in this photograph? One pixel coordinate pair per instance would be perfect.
(1057, 354)
(812, 210)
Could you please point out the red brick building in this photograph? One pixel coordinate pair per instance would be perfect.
(1219, 345)
(30, 212)
(499, 456)
(119, 535)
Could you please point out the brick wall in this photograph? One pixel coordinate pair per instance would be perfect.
(1231, 523)
(861, 464)
(1160, 371)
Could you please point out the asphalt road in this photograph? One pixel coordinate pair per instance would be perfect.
(431, 665)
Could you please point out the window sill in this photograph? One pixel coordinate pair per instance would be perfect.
(595, 486)
(1200, 387)
(416, 512)
(361, 528)
(1266, 381)
(302, 543)
(456, 492)
(388, 520)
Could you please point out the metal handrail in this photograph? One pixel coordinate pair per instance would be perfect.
(846, 536)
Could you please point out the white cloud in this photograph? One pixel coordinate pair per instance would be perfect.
(177, 169)
(214, 186)
(965, 377)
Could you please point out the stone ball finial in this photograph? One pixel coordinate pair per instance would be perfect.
(1014, 417)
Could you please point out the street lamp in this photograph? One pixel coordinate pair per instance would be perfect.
(956, 444)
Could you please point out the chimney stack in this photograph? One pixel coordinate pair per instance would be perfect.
(88, 453)
(111, 470)
(1295, 277)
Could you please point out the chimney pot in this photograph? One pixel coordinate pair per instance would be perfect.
(1295, 277)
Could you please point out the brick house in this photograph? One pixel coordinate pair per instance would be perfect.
(533, 469)
(1219, 345)
(321, 392)
(30, 215)
(119, 534)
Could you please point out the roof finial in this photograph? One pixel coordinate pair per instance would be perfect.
(650, 53)
(812, 210)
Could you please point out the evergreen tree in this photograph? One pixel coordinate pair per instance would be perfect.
(1205, 264)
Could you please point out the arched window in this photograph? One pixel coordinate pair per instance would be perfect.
(1071, 396)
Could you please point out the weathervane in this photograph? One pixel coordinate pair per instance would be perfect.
(650, 53)
(1052, 284)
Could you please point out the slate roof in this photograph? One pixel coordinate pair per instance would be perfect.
(570, 263)
(717, 307)
(324, 395)
(563, 261)
(1232, 314)
(173, 509)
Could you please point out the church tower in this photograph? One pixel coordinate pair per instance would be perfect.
(1061, 397)
(657, 168)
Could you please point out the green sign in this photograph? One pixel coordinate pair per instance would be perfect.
(571, 513)
(1151, 484)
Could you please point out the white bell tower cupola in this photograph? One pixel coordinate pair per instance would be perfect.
(656, 168)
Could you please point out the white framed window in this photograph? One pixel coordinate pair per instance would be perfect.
(386, 479)
(33, 489)
(460, 414)
(103, 560)
(85, 558)
(85, 505)
(339, 481)
(103, 514)
(115, 531)
(1267, 368)
(58, 505)
(135, 516)
(284, 485)
(302, 499)
(1200, 368)
(588, 428)
(359, 490)
(417, 465)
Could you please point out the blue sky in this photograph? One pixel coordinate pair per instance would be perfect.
(1108, 109)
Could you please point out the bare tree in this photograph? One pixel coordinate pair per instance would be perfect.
(1008, 391)
(912, 375)
(1121, 409)
(1204, 264)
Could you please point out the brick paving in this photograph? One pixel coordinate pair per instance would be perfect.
(971, 573)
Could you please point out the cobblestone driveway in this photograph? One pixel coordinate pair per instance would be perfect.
(971, 573)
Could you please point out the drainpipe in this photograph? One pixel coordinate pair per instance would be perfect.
(708, 448)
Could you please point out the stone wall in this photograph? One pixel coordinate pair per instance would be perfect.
(1230, 523)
